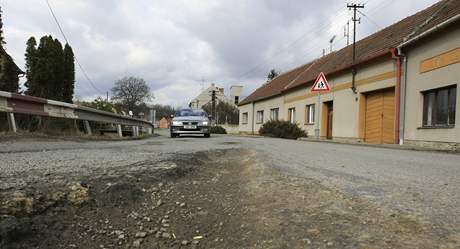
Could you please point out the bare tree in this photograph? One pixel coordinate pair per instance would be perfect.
(130, 92)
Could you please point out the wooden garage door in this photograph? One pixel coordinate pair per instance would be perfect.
(380, 117)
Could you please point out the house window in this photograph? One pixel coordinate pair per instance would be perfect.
(274, 113)
(439, 107)
(310, 114)
(244, 119)
(237, 99)
(260, 117)
(291, 113)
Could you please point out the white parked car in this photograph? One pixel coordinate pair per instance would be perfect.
(190, 121)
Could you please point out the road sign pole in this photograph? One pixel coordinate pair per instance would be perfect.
(320, 85)
(317, 115)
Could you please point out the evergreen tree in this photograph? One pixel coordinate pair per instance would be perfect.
(45, 68)
(272, 74)
(57, 61)
(39, 85)
(69, 74)
(31, 66)
(50, 69)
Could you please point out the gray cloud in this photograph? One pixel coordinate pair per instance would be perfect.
(175, 45)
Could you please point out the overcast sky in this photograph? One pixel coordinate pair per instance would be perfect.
(179, 46)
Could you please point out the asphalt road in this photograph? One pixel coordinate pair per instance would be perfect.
(425, 184)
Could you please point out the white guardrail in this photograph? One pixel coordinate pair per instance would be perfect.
(16, 103)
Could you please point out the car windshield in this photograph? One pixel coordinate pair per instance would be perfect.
(190, 112)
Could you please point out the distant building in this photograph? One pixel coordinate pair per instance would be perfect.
(9, 72)
(205, 96)
(235, 94)
(165, 122)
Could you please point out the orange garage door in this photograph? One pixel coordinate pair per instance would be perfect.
(380, 117)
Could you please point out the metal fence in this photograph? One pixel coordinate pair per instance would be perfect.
(12, 103)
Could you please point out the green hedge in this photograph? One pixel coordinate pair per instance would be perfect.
(282, 129)
(218, 130)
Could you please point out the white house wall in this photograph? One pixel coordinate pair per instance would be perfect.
(417, 82)
(346, 103)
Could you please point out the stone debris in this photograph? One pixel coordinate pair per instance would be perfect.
(78, 194)
(159, 203)
(137, 243)
(141, 235)
(166, 235)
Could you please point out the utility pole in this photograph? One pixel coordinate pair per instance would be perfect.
(213, 107)
(355, 8)
(107, 97)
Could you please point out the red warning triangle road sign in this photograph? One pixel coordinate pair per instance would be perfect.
(321, 84)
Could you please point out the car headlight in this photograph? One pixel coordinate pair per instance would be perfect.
(204, 123)
(176, 123)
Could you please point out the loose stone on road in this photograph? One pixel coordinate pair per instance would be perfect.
(225, 192)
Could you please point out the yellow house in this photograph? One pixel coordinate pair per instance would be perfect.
(402, 87)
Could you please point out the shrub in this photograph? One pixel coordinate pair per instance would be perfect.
(282, 129)
(218, 130)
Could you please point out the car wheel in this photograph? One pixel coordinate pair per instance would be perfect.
(173, 135)
(207, 135)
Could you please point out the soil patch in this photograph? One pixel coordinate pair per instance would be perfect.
(213, 199)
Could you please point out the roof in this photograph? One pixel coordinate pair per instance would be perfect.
(8, 57)
(374, 46)
(274, 87)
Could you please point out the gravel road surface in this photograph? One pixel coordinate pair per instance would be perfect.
(425, 185)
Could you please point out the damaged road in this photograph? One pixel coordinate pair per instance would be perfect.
(192, 193)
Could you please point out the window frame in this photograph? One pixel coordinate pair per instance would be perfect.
(292, 109)
(244, 118)
(310, 109)
(272, 110)
(261, 121)
(430, 118)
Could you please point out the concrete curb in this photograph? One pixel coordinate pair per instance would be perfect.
(245, 135)
(384, 146)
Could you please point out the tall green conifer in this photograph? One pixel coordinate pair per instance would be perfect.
(31, 66)
(69, 74)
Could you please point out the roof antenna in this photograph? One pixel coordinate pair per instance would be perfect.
(330, 43)
(346, 32)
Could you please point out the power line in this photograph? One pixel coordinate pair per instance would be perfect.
(291, 45)
(310, 49)
(280, 51)
(369, 19)
(67, 41)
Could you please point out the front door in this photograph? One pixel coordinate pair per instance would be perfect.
(330, 117)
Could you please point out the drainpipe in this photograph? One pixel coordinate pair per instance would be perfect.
(395, 55)
(402, 120)
(252, 121)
